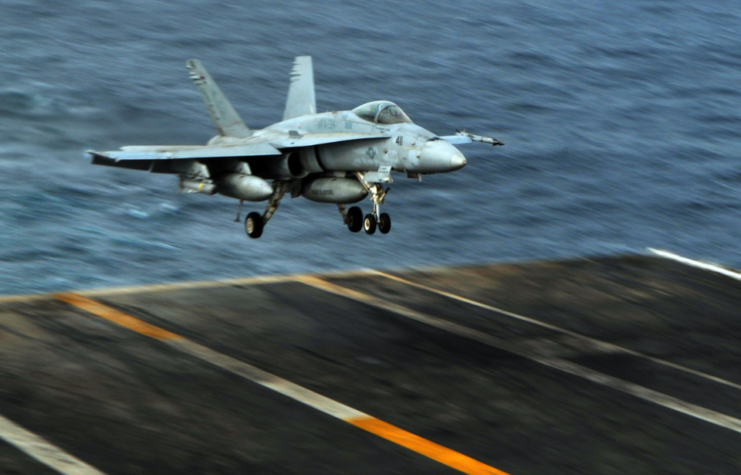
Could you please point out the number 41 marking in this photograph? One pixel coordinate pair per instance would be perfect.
(400, 140)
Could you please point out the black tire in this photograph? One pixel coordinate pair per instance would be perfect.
(384, 223)
(354, 219)
(369, 224)
(253, 225)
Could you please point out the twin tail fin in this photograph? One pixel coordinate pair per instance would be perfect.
(225, 118)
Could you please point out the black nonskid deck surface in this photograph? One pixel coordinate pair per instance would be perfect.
(126, 403)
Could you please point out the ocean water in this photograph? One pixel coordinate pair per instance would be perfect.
(621, 120)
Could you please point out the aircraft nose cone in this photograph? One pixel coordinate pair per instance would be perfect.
(439, 156)
(458, 161)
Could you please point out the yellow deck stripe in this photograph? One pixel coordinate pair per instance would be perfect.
(197, 284)
(22, 298)
(298, 393)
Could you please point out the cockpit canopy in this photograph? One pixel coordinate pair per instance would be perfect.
(381, 112)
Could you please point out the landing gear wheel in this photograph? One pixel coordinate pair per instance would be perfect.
(369, 224)
(354, 219)
(253, 225)
(384, 223)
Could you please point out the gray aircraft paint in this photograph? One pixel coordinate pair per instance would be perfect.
(300, 151)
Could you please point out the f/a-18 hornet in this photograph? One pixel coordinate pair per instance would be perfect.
(331, 157)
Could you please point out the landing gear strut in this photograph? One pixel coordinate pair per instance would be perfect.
(254, 223)
(239, 211)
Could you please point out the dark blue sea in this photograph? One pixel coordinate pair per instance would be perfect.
(622, 124)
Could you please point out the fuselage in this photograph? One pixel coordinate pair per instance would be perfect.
(408, 148)
(332, 157)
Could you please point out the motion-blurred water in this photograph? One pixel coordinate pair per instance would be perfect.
(621, 121)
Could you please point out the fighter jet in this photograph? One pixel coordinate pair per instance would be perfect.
(330, 157)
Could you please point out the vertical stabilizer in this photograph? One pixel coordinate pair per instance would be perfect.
(301, 99)
(222, 113)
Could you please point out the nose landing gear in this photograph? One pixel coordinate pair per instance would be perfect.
(376, 218)
(384, 223)
(353, 217)
(369, 224)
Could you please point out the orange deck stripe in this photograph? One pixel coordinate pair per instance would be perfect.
(370, 424)
(422, 446)
(115, 316)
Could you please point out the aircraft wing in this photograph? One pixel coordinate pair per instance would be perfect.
(259, 147)
(310, 140)
(179, 152)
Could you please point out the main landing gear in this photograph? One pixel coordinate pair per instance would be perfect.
(354, 219)
(254, 223)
